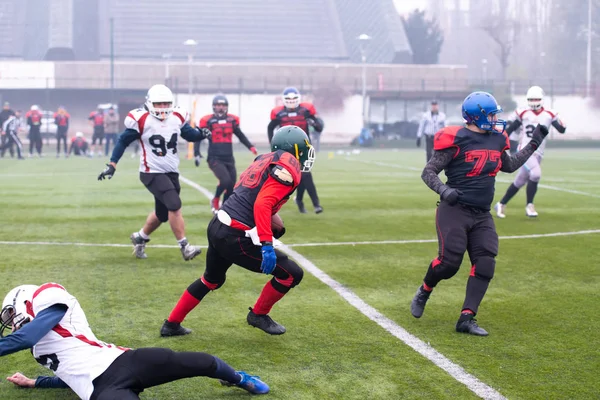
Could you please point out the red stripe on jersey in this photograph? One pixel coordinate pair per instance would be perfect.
(551, 114)
(63, 332)
(141, 124)
(522, 113)
(179, 116)
(44, 287)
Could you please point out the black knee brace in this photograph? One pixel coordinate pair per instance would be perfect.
(172, 200)
(484, 268)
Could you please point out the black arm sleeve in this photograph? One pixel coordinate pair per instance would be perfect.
(197, 149)
(318, 124)
(271, 128)
(238, 132)
(125, 139)
(50, 382)
(191, 134)
(437, 163)
(514, 126)
(560, 128)
(514, 162)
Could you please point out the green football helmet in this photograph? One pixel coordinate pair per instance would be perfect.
(295, 141)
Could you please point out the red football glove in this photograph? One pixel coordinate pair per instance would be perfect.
(253, 150)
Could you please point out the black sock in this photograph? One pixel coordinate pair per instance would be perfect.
(466, 315)
(510, 193)
(531, 190)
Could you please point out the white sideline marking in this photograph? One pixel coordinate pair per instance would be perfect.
(471, 382)
(317, 244)
(558, 189)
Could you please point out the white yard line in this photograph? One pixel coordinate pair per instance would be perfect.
(456, 371)
(541, 185)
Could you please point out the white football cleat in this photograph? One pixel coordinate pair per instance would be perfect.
(499, 207)
(530, 211)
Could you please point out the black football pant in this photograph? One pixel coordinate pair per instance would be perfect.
(35, 141)
(228, 246)
(307, 184)
(428, 146)
(226, 174)
(461, 229)
(61, 136)
(136, 370)
(166, 188)
(12, 140)
(4, 139)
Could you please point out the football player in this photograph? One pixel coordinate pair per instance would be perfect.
(531, 172)
(158, 127)
(220, 149)
(293, 112)
(471, 156)
(241, 232)
(50, 321)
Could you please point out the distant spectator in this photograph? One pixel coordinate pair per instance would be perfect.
(431, 122)
(61, 119)
(111, 127)
(97, 120)
(34, 120)
(79, 145)
(4, 115)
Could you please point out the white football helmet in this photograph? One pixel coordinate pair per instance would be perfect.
(535, 97)
(15, 312)
(35, 108)
(159, 94)
(291, 98)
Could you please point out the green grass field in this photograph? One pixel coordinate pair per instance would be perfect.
(540, 310)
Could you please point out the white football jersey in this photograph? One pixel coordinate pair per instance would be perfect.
(529, 120)
(158, 139)
(71, 349)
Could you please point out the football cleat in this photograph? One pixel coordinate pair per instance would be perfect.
(417, 306)
(251, 383)
(499, 207)
(173, 329)
(318, 209)
(214, 204)
(139, 245)
(470, 326)
(189, 252)
(530, 211)
(265, 323)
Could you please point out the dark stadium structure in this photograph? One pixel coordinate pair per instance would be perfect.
(225, 30)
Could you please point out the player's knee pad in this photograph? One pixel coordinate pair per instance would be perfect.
(212, 285)
(162, 214)
(447, 266)
(535, 175)
(484, 268)
(521, 179)
(172, 200)
(287, 275)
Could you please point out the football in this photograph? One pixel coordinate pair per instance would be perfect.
(276, 224)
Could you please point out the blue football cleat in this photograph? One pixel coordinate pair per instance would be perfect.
(251, 383)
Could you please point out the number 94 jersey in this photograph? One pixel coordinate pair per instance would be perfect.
(529, 120)
(158, 139)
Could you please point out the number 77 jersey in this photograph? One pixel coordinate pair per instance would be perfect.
(158, 139)
(477, 158)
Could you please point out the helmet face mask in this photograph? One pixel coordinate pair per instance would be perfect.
(291, 98)
(14, 312)
(159, 102)
(294, 140)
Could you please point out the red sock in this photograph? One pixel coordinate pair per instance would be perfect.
(186, 303)
(467, 311)
(268, 297)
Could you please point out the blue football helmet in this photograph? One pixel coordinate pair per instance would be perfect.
(478, 107)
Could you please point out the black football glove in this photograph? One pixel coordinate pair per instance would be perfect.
(108, 172)
(418, 142)
(206, 133)
(539, 134)
(197, 160)
(450, 195)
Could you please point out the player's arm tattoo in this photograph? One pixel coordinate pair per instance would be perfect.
(511, 163)
(437, 163)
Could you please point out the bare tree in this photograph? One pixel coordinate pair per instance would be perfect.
(503, 27)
